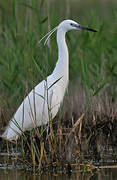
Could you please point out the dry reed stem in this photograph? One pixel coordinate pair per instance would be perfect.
(60, 134)
(46, 159)
(75, 126)
(41, 156)
(52, 140)
(24, 161)
(33, 158)
(8, 140)
(79, 132)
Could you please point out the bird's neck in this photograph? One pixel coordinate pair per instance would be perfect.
(62, 65)
(62, 47)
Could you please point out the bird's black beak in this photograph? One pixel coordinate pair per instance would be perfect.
(79, 27)
(86, 28)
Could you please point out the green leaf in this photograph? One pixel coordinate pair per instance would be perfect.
(54, 83)
(39, 70)
(42, 3)
(29, 6)
(99, 88)
(44, 20)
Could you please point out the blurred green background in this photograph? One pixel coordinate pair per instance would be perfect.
(24, 63)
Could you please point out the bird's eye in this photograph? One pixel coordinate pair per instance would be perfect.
(71, 24)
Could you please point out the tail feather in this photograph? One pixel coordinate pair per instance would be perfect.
(10, 134)
(11, 141)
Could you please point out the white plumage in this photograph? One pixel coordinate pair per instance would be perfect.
(47, 96)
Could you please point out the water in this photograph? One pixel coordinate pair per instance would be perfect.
(12, 169)
(101, 174)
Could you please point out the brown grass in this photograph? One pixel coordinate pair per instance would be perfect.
(82, 130)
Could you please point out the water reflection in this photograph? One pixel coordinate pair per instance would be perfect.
(103, 174)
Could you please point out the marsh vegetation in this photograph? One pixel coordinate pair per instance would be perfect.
(86, 125)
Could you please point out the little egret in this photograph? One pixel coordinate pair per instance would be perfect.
(47, 96)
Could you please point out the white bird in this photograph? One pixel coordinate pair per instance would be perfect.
(43, 102)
